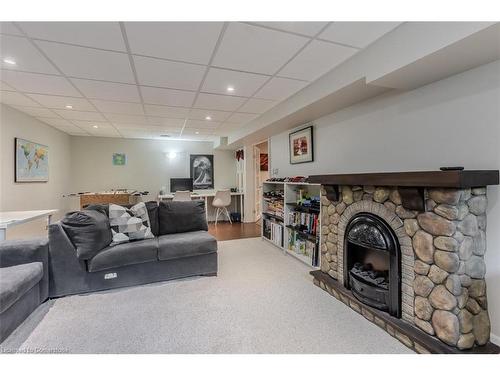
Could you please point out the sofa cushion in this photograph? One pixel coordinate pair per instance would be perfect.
(129, 224)
(16, 281)
(88, 230)
(151, 206)
(176, 217)
(181, 245)
(124, 254)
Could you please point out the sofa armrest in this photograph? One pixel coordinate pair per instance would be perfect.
(66, 270)
(15, 252)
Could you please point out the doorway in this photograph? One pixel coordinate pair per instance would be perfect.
(261, 171)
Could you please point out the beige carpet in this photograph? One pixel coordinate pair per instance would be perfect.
(261, 302)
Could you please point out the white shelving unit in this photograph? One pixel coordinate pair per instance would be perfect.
(294, 240)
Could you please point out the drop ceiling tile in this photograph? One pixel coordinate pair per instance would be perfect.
(105, 35)
(106, 106)
(26, 56)
(108, 133)
(201, 114)
(170, 74)
(151, 128)
(55, 122)
(201, 124)
(79, 115)
(153, 95)
(36, 111)
(166, 111)
(127, 119)
(227, 129)
(357, 34)
(15, 98)
(107, 90)
(257, 106)
(9, 28)
(241, 118)
(316, 59)
(60, 102)
(82, 62)
(194, 131)
(88, 125)
(304, 28)
(218, 102)
(185, 41)
(169, 122)
(6, 87)
(280, 88)
(39, 83)
(256, 49)
(244, 84)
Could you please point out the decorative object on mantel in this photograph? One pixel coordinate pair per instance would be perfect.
(119, 159)
(32, 161)
(440, 291)
(301, 146)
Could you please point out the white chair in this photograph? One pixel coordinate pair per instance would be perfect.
(182, 196)
(221, 200)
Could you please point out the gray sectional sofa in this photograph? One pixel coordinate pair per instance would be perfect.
(182, 247)
(78, 258)
(24, 281)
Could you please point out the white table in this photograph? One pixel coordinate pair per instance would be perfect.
(11, 218)
(205, 195)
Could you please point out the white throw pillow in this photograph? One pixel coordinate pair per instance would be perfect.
(129, 224)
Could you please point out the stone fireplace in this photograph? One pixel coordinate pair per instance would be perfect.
(411, 250)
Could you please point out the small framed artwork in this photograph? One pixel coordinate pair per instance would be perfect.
(301, 146)
(32, 161)
(202, 171)
(264, 162)
(119, 159)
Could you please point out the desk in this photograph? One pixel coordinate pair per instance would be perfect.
(12, 218)
(205, 195)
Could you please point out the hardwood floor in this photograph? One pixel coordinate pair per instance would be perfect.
(225, 231)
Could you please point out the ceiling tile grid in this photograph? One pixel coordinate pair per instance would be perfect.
(197, 79)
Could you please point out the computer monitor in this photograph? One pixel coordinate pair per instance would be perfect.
(181, 184)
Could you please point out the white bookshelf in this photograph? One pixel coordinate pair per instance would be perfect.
(291, 193)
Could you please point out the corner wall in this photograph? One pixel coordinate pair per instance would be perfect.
(32, 195)
(455, 121)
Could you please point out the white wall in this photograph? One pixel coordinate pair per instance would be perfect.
(32, 195)
(451, 122)
(147, 169)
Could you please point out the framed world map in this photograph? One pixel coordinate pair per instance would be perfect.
(32, 161)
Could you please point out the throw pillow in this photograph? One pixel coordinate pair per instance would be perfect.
(88, 230)
(129, 224)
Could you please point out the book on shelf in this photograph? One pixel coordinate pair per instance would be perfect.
(305, 248)
(304, 222)
(273, 231)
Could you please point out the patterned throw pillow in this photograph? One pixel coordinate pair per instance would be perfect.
(129, 224)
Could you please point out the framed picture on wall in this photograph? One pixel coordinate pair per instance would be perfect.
(301, 146)
(202, 171)
(32, 161)
(264, 162)
(119, 158)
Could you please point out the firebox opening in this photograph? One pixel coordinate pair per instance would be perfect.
(372, 263)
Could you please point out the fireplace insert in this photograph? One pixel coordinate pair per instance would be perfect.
(372, 266)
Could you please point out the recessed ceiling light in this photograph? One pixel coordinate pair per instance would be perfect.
(95, 126)
(69, 106)
(9, 61)
(208, 118)
(196, 132)
(230, 89)
(172, 155)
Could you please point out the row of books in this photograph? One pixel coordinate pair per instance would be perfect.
(275, 208)
(301, 246)
(304, 222)
(273, 231)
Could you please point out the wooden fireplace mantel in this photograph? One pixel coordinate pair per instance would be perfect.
(444, 179)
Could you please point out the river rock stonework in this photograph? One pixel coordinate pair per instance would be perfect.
(442, 255)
